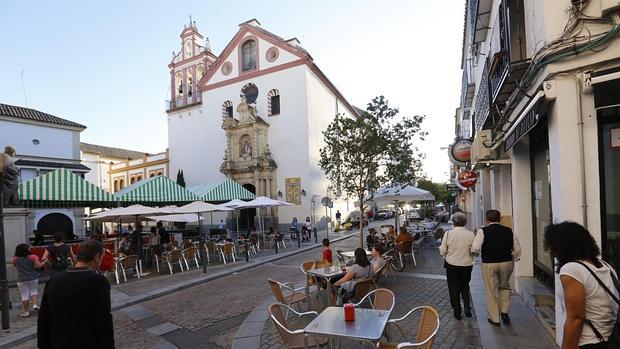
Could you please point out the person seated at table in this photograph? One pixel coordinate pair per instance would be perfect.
(377, 260)
(371, 238)
(294, 228)
(403, 236)
(125, 246)
(327, 252)
(360, 269)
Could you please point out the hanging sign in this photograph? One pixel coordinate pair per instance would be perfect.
(460, 152)
(467, 179)
(523, 127)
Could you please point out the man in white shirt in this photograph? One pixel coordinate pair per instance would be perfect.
(499, 248)
(456, 248)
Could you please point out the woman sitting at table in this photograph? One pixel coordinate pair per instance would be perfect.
(377, 260)
(360, 269)
(125, 246)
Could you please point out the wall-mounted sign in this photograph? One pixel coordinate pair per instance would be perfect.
(523, 127)
(451, 187)
(293, 190)
(467, 179)
(615, 137)
(460, 152)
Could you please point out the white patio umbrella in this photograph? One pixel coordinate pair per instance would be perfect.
(177, 218)
(234, 205)
(198, 207)
(263, 202)
(401, 193)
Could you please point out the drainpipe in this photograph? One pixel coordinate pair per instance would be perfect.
(584, 200)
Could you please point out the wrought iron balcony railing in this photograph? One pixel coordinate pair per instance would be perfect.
(482, 108)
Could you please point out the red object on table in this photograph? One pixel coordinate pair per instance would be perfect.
(349, 312)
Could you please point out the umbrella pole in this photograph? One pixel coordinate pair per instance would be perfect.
(139, 248)
(238, 212)
(203, 253)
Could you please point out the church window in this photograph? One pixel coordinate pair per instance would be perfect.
(248, 54)
(178, 82)
(272, 54)
(273, 103)
(226, 68)
(200, 71)
(250, 91)
(227, 109)
(188, 49)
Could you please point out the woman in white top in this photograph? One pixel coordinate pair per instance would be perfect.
(456, 249)
(589, 307)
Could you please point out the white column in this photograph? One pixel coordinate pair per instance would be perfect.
(522, 207)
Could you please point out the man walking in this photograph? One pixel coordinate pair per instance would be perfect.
(499, 248)
(75, 310)
(456, 248)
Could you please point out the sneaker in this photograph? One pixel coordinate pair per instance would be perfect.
(493, 322)
(36, 308)
(24, 314)
(505, 318)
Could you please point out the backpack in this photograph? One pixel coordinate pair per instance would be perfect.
(60, 260)
(614, 338)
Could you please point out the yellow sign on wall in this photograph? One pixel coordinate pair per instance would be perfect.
(293, 190)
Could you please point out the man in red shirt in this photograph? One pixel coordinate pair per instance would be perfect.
(327, 252)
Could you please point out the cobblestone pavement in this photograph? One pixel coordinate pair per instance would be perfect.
(412, 288)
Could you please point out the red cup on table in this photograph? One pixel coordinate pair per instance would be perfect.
(349, 312)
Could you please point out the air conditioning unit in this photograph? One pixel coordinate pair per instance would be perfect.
(481, 146)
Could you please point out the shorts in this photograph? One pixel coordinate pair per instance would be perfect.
(28, 289)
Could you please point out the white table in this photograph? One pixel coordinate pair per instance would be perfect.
(368, 325)
(326, 273)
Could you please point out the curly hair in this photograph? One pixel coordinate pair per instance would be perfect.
(22, 250)
(569, 242)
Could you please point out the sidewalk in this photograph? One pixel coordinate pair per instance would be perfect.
(153, 286)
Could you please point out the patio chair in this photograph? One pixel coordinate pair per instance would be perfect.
(280, 241)
(343, 260)
(190, 253)
(293, 338)
(157, 255)
(376, 277)
(126, 263)
(388, 271)
(293, 297)
(416, 246)
(380, 299)
(362, 287)
(427, 329)
(310, 280)
(173, 257)
(406, 248)
(228, 250)
(211, 249)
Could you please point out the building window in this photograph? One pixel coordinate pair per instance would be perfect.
(121, 184)
(132, 180)
(227, 109)
(273, 103)
(250, 91)
(272, 54)
(248, 55)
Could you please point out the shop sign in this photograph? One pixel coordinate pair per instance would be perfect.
(523, 127)
(451, 187)
(467, 179)
(460, 152)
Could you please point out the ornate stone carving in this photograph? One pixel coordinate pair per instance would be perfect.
(247, 112)
(9, 177)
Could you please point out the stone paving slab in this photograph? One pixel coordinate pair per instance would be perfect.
(137, 312)
(162, 329)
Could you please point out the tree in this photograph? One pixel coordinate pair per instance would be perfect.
(362, 154)
(438, 190)
(180, 178)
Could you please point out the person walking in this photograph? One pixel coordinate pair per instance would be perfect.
(58, 254)
(164, 236)
(26, 265)
(588, 290)
(456, 249)
(75, 309)
(499, 248)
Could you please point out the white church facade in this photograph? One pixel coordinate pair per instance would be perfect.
(254, 113)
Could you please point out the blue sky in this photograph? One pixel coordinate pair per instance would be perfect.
(104, 64)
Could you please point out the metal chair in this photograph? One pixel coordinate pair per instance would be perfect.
(157, 255)
(294, 296)
(427, 329)
(228, 250)
(190, 253)
(310, 280)
(362, 287)
(376, 277)
(293, 338)
(173, 257)
(128, 262)
(384, 299)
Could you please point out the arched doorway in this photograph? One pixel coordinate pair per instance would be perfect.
(56, 222)
(246, 216)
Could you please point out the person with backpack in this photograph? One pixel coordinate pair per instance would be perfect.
(26, 265)
(58, 254)
(589, 288)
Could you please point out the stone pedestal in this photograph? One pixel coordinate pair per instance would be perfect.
(15, 229)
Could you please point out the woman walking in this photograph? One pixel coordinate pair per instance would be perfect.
(26, 265)
(590, 296)
(456, 249)
(58, 254)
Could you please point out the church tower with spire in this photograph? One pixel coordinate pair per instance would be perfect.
(187, 68)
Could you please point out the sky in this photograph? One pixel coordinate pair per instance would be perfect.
(104, 63)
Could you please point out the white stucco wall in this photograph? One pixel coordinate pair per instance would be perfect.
(53, 142)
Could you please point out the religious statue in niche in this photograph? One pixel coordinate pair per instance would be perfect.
(247, 112)
(9, 181)
(245, 146)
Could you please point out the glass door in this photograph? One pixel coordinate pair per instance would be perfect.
(609, 152)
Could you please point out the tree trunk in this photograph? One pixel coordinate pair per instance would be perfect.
(362, 222)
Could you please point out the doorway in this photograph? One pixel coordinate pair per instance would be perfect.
(56, 222)
(247, 215)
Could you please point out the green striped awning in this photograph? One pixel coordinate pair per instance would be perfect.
(225, 190)
(63, 188)
(155, 190)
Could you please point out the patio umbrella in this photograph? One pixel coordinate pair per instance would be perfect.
(198, 207)
(400, 193)
(234, 205)
(263, 202)
(176, 218)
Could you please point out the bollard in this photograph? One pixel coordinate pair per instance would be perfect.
(247, 257)
(298, 240)
(275, 239)
(316, 241)
(203, 258)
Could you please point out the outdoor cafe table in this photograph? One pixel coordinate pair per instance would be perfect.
(368, 325)
(351, 254)
(326, 273)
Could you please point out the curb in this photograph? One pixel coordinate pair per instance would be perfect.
(31, 332)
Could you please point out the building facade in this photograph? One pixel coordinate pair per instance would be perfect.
(125, 173)
(44, 143)
(540, 93)
(255, 116)
(100, 159)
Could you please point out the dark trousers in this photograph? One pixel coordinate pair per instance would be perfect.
(458, 286)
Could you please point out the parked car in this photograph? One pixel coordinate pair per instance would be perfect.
(383, 214)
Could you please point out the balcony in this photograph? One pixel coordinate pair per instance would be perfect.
(482, 108)
(467, 91)
(182, 102)
(480, 16)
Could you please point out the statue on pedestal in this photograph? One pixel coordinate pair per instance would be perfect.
(9, 177)
(247, 112)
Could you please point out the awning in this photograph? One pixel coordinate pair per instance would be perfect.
(225, 190)
(155, 190)
(62, 188)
